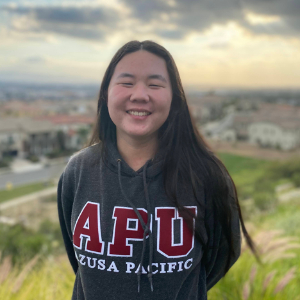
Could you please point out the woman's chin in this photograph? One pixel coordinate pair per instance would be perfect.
(139, 134)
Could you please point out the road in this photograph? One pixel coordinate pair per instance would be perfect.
(45, 174)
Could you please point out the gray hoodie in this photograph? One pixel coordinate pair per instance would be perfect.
(126, 240)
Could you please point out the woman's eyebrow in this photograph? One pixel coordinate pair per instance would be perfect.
(122, 75)
(154, 76)
(157, 76)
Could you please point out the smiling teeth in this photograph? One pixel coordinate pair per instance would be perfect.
(138, 113)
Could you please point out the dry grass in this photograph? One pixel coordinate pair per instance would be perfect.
(5, 268)
(275, 279)
(43, 279)
(53, 278)
(285, 280)
(21, 277)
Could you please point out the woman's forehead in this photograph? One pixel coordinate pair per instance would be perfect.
(141, 62)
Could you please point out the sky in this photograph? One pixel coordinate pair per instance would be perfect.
(215, 43)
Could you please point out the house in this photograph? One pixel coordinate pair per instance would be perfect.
(240, 124)
(10, 138)
(42, 135)
(276, 126)
(75, 128)
(25, 136)
(206, 108)
(221, 129)
(280, 134)
(232, 127)
(39, 137)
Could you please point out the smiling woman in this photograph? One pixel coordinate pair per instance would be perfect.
(147, 200)
(139, 100)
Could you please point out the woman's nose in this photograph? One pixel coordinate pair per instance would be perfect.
(139, 93)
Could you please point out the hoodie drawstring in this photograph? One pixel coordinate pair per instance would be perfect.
(146, 227)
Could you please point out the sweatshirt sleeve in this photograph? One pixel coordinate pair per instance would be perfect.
(219, 248)
(64, 205)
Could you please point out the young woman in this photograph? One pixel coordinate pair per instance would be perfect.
(147, 211)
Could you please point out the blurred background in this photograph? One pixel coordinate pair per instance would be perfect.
(239, 63)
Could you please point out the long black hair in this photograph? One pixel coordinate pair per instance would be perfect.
(187, 158)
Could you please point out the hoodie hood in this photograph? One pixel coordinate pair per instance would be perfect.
(154, 166)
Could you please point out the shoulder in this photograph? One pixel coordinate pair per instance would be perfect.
(79, 164)
(88, 155)
(83, 159)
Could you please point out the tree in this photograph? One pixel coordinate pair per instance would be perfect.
(61, 140)
(83, 133)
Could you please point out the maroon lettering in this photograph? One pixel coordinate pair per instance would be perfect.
(88, 225)
(127, 228)
(165, 217)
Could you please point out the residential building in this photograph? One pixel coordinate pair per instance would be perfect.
(208, 107)
(24, 136)
(76, 128)
(276, 126)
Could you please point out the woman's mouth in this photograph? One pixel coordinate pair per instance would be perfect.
(138, 113)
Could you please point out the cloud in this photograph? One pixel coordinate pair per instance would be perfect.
(35, 59)
(287, 8)
(171, 33)
(187, 15)
(171, 19)
(147, 10)
(219, 45)
(93, 23)
(199, 15)
(288, 11)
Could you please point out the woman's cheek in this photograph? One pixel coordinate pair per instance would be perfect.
(116, 92)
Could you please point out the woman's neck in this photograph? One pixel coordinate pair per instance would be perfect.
(137, 152)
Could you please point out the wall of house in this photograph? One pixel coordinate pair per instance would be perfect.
(228, 135)
(271, 135)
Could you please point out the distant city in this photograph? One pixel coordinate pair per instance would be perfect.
(31, 92)
(41, 122)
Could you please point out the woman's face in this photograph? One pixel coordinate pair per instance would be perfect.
(139, 95)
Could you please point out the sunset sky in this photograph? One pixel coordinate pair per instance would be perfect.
(215, 43)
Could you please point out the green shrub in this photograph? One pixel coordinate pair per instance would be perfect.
(296, 179)
(17, 240)
(264, 200)
(33, 158)
(285, 169)
(23, 244)
(60, 153)
(5, 162)
(264, 184)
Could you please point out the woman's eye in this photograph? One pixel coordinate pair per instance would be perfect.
(154, 85)
(127, 83)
